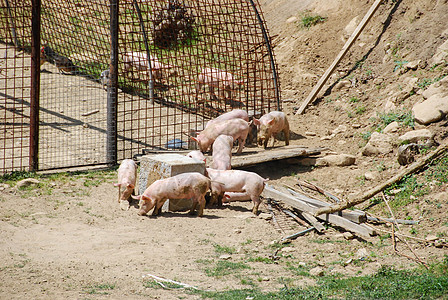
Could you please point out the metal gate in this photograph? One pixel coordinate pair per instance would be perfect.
(121, 77)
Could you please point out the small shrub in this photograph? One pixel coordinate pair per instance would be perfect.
(310, 20)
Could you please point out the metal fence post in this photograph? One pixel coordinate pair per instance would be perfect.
(112, 89)
(35, 85)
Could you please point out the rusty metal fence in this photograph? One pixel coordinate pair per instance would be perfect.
(92, 82)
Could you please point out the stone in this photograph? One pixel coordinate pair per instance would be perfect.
(431, 110)
(389, 106)
(431, 238)
(339, 129)
(371, 175)
(310, 133)
(27, 182)
(317, 271)
(350, 28)
(441, 54)
(341, 160)
(291, 20)
(342, 85)
(362, 253)
(159, 166)
(288, 249)
(379, 143)
(415, 136)
(265, 216)
(348, 235)
(225, 257)
(412, 65)
(391, 127)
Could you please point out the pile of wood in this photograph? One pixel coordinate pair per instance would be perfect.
(304, 208)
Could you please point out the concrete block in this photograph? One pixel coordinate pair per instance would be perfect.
(160, 166)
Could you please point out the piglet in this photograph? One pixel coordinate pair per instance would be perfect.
(139, 62)
(236, 128)
(236, 181)
(183, 186)
(197, 155)
(269, 125)
(216, 78)
(233, 114)
(127, 177)
(222, 152)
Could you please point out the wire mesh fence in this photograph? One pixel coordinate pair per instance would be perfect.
(179, 63)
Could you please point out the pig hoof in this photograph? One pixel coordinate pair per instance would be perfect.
(142, 213)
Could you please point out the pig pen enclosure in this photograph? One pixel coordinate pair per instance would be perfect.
(86, 83)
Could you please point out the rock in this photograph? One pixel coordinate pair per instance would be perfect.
(431, 110)
(379, 143)
(225, 257)
(310, 133)
(288, 249)
(341, 160)
(441, 54)
(389, 106)
(371, 175)
(431, 238)
(350, 28)
(317, 271)
(291, 20)
(326, 138)
(124, 205)
(412, 65)
(339, 129)
(302, 264)
(27, 182)
(417, 136)
(362, 253)
(348, 235)
(342, 85)
(392, 127)
(265, 216)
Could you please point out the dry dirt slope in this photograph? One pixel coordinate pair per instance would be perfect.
(69, 239)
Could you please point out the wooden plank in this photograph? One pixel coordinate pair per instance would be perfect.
(255, 157)
(316, 224)
(341, 54)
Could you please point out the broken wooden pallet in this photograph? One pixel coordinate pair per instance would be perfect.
(308, 206)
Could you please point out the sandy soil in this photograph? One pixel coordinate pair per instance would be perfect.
(71, 239)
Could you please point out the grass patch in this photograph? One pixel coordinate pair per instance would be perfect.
(309, 20)
(101, 289)
(224, 267)
(387, 283)
(224, 249)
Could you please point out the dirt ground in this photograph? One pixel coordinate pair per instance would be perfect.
(70, 238)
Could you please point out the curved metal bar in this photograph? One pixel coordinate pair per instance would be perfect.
(145, 40)
(271, 55)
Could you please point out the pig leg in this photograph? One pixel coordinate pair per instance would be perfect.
(193, 206)
(158, 207)
(256, 200)
(286, 132)
(201, 206)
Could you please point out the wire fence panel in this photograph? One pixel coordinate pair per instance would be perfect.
(15, 84)
(180, 63)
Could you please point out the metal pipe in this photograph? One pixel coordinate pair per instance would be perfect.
(148, 57)
(35, 85)
(112, 89)
(271, 55)
(293, 236)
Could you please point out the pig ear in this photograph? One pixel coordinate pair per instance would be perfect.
(117, 184)
(256, 121)
(270, 122)
(194, 139)
(131, 186)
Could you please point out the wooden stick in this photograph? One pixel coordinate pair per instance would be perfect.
(320, 190)
(158, 279)
(416, 166)
(341, 54)
(393, 236)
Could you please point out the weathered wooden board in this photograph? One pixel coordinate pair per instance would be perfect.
(259, 155)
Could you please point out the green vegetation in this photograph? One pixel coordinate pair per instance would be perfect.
(309, 20)
(223, 267)
(424, 83)
(99, 288)
(224, 249)
(387, 283)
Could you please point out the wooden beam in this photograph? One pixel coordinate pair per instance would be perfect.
(341, 54)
